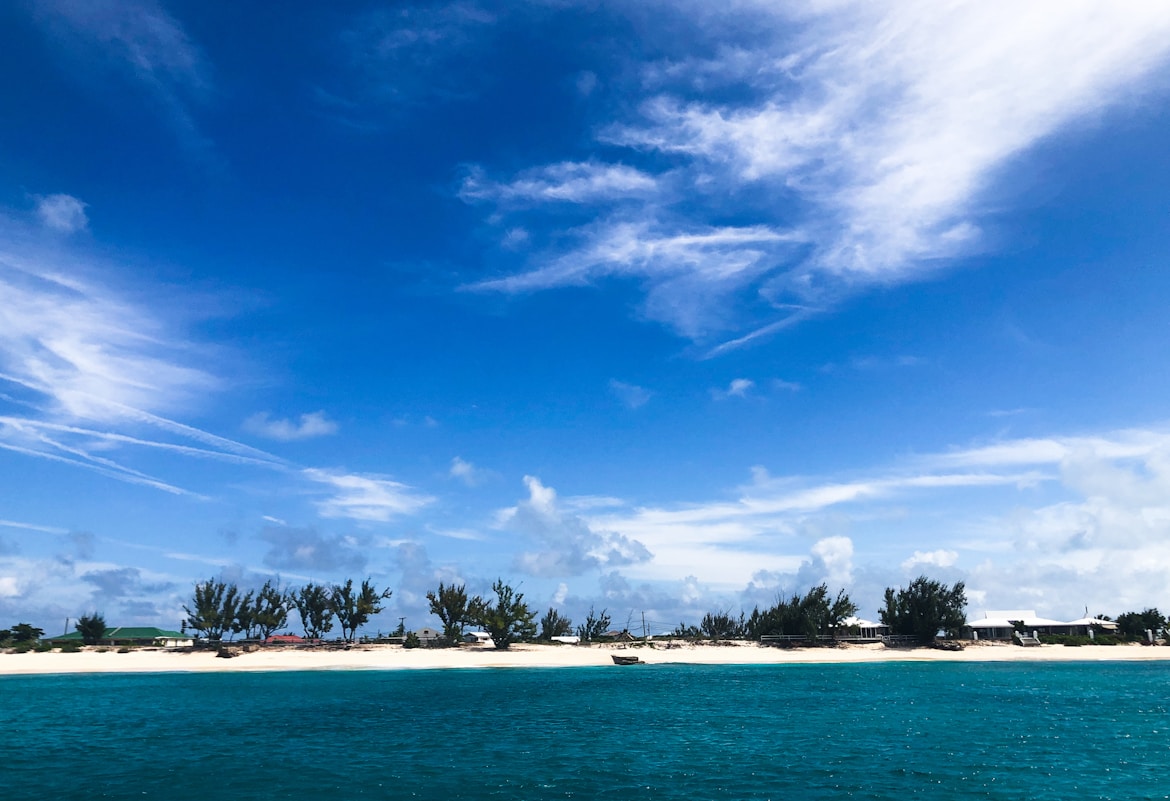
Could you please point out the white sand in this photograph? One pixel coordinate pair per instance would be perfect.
(382, 657)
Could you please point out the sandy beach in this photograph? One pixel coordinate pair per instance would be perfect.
(389, 657)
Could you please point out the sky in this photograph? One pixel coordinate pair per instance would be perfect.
(657, 307)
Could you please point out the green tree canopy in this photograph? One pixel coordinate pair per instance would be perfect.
(594, 626)
(269, 610)
(722, 626)
(811, 615)
(553, 625)
(25, 632)
(1136, 624)
(353, 608)
(449, 604)
(313, 604)
(925, 608)
(507, 619)
(214, 609)
(91, 628)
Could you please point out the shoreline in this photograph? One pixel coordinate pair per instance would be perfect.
(393, 657)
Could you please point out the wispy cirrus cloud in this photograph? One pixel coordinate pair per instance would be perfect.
(139, 38)
(365, 497)
(873, 133)
(568, 182)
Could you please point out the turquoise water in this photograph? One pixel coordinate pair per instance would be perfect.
(1056, 731)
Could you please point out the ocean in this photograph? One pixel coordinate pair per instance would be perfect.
(937, 731)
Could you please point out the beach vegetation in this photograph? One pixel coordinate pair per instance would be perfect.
(595, 626)
(1134, 625)
(554, 625)
(925, 608)
(214, 609)
(686, 632)
(24, 632)
(815, 614)
(268, 611)
(506, 618)
(722, 626)
(412, 640)
(91, 628)
(449, 604)
(354, 608)
(312, 603)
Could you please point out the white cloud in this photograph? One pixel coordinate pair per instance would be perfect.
(690, 274)
(939, 558)
(467, 472)
(63, 213)
(141, 38)
(631, 395)
(888, 127)
(567, 182)
(570, 545)
(33, 527)
(313, 424)
(738, 388)
(365, 497)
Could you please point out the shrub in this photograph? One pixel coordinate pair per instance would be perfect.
(411, 641)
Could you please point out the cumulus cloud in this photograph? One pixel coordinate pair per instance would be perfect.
(308, 550)
(365, 497)
(923, 559)
(63, 213)
(570, 546)
(313, 424)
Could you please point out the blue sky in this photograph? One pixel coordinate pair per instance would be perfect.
(641, 305)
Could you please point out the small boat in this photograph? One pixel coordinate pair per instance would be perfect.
(627, 660)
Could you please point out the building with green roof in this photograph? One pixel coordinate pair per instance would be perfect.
(128, 635)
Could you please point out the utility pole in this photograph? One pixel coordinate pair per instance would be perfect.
(643, 624)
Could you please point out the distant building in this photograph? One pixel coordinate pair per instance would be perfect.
(129, 635)
(1000, 625)
(567, 639)
(859, 628)
(426, 634)
(477, 637)
(284, 639)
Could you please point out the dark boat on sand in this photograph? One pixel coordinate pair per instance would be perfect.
(627, 660)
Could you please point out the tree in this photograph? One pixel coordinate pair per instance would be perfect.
(721, 626)
(506, 620)
(91, 628)
(245, 616)
(553, 625)
(269, 610)
(449, 604)
(1136, 624)
(312, 602)
(925, 608)
(24, 632)
(214, 609)
(811, 615)
(354, 609)
(594, 626)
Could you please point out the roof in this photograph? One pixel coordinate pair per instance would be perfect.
(861, 623)
(1006, 618)
(127, 633)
